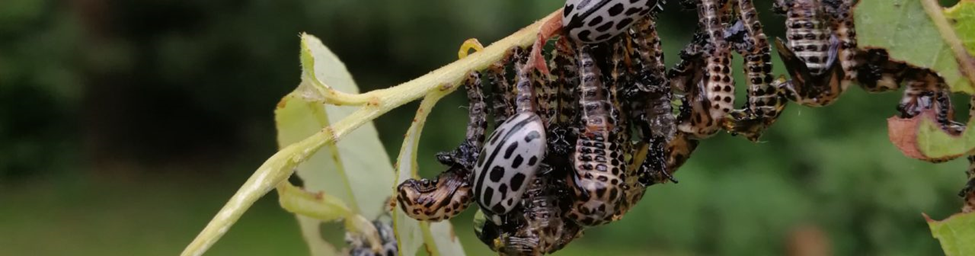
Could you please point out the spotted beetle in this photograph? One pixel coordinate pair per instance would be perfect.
(595, 21)
(512, 156)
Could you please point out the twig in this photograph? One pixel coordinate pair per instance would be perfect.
(375, 103)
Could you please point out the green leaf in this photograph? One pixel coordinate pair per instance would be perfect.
(319, 205)
(920, 137)
(354, 169)
(916, 32)
(438, 237)
(936, 143)
(310, 93)
(923, 34)
(962, 16)
(956, 234)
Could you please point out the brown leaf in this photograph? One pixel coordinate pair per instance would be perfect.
(903, 133)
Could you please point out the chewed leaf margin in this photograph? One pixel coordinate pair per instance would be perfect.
(955, 233)
(918, 33)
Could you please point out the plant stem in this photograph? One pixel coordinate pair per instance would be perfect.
(280, 166)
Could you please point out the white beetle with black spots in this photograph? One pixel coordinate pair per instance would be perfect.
(508, 163)
(595, 21)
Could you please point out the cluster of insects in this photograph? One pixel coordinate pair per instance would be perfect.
(576, 146)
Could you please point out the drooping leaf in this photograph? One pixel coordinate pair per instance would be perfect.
(353, 169)
(909, 34)
(956, 234)
(323, 207)
(319, 205)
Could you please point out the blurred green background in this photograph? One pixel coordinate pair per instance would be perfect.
(126, 125)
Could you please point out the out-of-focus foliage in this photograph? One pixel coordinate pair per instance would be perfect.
(39, 89)
(169, 102)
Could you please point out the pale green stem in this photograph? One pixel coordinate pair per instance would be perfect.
(281, 165)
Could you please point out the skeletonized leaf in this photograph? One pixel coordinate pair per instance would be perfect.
(354, 169)
(909, 34)
(956, 234)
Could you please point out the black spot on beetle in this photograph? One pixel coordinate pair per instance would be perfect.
(517, 162)
(488, 194)
(498, 208)
(605, 27)
(595, 21)
(616, 9)
(584, 35)
(517, 180)
(624, 23)
(510, 150)
(631, 11)
(497, 172)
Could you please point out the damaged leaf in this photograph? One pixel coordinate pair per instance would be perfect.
(956, 233)
(922, 138)
(911, 34)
